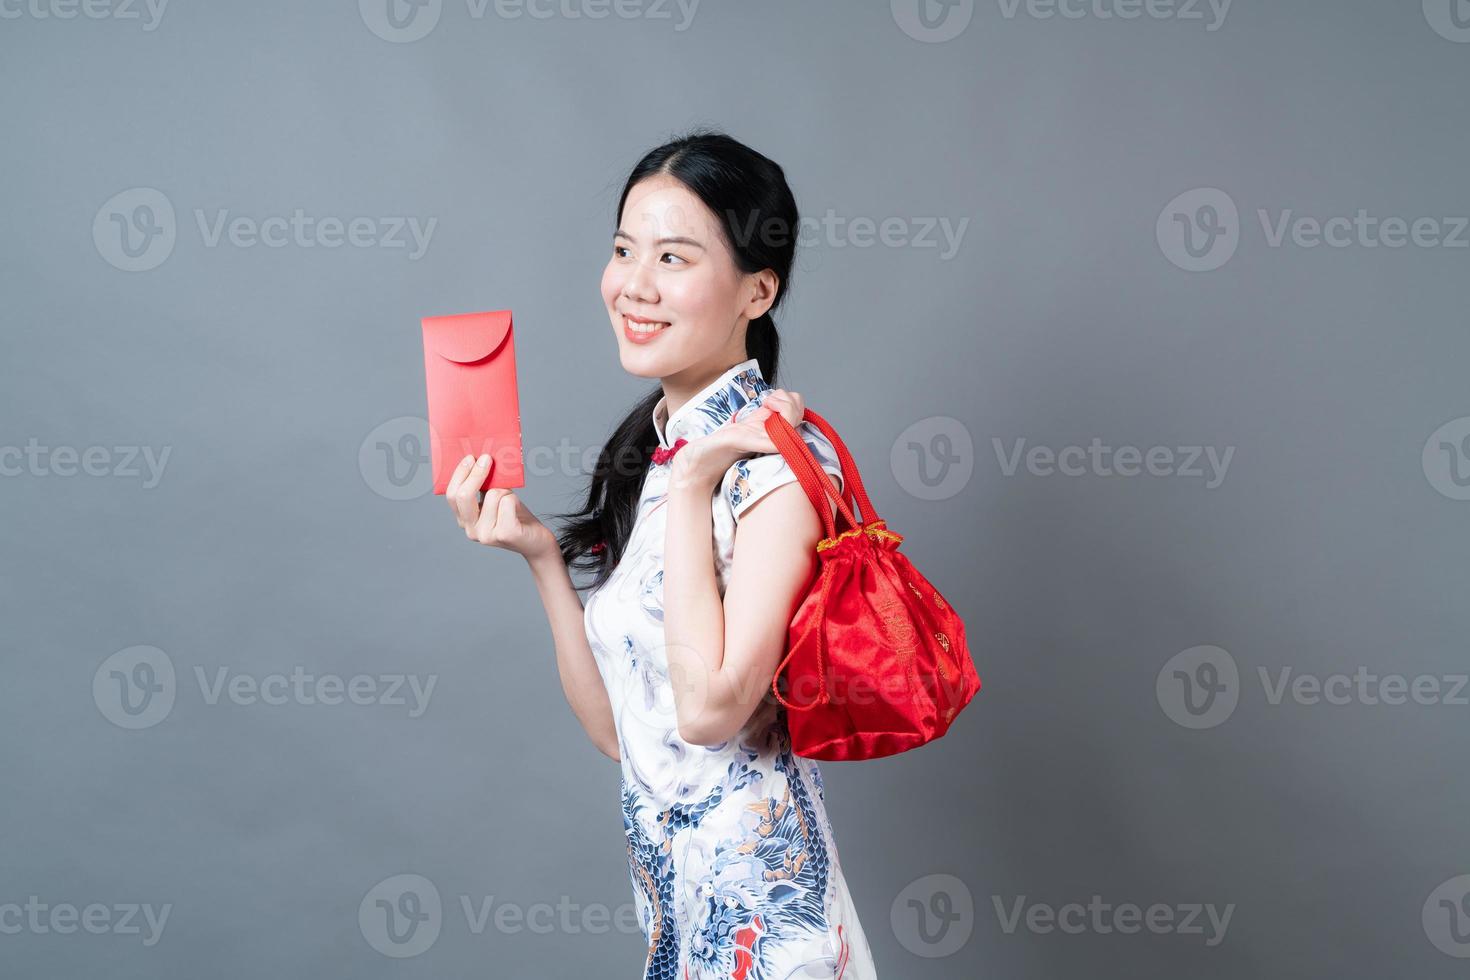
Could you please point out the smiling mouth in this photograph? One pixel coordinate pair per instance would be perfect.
(642, 329)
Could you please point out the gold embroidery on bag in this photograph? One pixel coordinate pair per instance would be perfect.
(897, 624)
(874, 529)
(939, 663)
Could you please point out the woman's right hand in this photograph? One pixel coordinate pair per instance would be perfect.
(499, 519)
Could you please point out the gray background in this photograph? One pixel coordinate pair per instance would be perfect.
(272, 541)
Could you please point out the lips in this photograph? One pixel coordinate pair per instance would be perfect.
(641, 331)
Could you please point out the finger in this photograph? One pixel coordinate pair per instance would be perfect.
(455, 478)
(788, 404)
(490, 513)
(467, 499)
(795, 408)
(508, 513)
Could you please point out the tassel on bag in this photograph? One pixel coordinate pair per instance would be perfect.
(876, 654)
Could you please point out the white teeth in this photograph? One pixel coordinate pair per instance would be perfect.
(643, 327)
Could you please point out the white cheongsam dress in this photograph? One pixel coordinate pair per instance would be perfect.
(731, 855)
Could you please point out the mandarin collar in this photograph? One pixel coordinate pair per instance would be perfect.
(712, 406)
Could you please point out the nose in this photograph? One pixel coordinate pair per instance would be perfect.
(639, 285)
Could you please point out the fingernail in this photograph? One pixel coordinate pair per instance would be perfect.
(466, 459)
(484, 458)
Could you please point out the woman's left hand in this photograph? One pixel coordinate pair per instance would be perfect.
(703, 461)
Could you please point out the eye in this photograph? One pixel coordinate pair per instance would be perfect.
(618, 250)
(670, 255)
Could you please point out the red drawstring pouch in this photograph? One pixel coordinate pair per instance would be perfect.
(876, 660)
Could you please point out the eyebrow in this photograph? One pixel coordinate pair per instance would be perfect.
(674, 240)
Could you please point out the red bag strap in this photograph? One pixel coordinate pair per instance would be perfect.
(801, 460)
(814, 480)
(852, 481)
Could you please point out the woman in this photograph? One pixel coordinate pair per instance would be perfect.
(734, 869)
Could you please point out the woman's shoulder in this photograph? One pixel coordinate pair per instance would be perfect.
(749, 479)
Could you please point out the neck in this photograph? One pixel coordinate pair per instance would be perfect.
(684, 385)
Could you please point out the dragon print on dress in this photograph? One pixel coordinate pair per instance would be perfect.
(730, 851)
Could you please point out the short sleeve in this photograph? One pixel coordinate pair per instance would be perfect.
(751, 479)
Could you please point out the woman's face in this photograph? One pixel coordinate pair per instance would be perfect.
(671, 265)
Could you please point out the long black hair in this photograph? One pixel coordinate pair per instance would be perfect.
(759, 219)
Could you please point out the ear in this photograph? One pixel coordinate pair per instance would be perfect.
(762, 286)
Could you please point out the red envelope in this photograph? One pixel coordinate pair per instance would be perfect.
(470, 368)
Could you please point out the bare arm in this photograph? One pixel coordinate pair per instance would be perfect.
(580, 680)
(723, 654)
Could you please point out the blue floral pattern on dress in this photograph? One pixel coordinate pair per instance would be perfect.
(731, 854)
